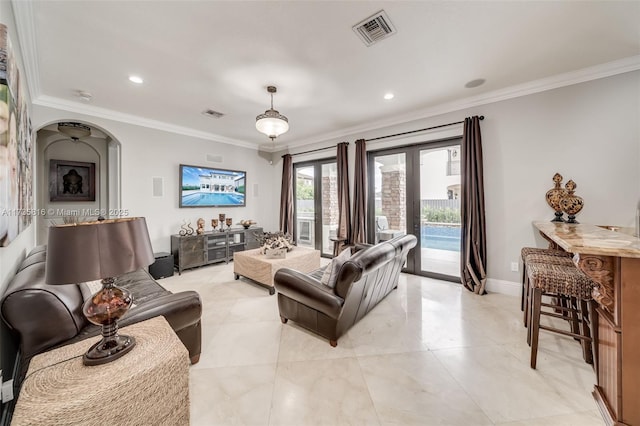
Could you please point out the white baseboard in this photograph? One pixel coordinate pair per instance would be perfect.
(511, 288)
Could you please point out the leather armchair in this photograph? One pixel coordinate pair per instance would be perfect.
(362, 282)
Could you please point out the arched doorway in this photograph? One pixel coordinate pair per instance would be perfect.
(77, 174)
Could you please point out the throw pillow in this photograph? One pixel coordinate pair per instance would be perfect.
(90, 288)
(330, 275)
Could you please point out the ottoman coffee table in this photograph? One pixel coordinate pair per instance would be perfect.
(254, 265)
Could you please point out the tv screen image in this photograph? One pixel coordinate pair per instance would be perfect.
(211, 187)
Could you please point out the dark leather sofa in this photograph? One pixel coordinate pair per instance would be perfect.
(362, 281)
(41, 317)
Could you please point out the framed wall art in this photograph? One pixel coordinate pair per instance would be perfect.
(16, 146)
(72, 181)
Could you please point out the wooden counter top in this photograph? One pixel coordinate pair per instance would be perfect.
(612, 260)
(590, 239)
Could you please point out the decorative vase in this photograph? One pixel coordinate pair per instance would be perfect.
(555, 195)
(571, 204)
(246, 223)
(200, 229)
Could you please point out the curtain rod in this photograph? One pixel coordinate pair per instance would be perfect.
(419, 130)
(315, 150)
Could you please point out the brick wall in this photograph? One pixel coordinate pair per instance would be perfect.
(394, 197)
(329, 200)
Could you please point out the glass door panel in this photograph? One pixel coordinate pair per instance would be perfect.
(440, 210)
(329, 206)
(305, 206)
(316, 205)
(416, 190)
(390, 196)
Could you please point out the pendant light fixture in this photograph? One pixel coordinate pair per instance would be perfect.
(75, 131)
(272, 123)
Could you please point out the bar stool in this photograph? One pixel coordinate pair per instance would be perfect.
(549, 256)
(569, 285)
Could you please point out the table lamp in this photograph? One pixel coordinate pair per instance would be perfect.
(102, 250)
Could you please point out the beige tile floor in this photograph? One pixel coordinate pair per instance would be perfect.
(431, 353)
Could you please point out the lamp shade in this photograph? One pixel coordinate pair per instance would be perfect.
(95, 250)
(272, 123)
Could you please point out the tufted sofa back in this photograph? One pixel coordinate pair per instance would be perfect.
(362, 282)
(370, 275)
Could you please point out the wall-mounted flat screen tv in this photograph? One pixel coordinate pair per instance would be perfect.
(208, 187)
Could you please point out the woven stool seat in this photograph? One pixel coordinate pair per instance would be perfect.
(560, 279)
(548, 260)
(539, 255)
(570, 291)
(526, 251)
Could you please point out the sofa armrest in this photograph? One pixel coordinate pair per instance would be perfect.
(180, 310)
(308, 291)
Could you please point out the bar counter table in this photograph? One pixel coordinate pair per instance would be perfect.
(612, 259)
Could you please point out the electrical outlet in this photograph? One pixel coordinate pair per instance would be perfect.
(7, 391)
(514, 266)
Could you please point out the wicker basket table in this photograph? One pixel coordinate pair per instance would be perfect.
(148, 386)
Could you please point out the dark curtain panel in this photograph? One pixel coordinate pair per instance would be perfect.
(359, 220)
(286, 196)
(344, 201)
(473, 262)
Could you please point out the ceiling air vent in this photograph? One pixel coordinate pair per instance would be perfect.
(374, 28)
(213, 114)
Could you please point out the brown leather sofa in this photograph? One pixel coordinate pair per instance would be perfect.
(362, 281)
(41, 316)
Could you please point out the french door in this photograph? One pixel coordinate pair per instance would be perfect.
(416, 190)
(316, 204)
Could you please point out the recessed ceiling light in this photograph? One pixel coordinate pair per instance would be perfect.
(136, 79)
(389, 96)
(475, 83)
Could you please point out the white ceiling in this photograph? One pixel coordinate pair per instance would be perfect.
(196, 55)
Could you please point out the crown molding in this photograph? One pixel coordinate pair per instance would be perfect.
(23, 13)
(25, 27)
(595, 72)
(108, 114)
(560, 80)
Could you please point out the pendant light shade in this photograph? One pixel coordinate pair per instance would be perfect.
(75, 131)
(272, 123)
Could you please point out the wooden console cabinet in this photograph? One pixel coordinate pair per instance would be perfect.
(211, 247)
(612, 260)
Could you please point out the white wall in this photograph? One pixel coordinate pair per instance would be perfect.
(588, 132)
(148, 153)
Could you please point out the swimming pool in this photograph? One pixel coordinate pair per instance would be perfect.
(440, 237)
(213, 198)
